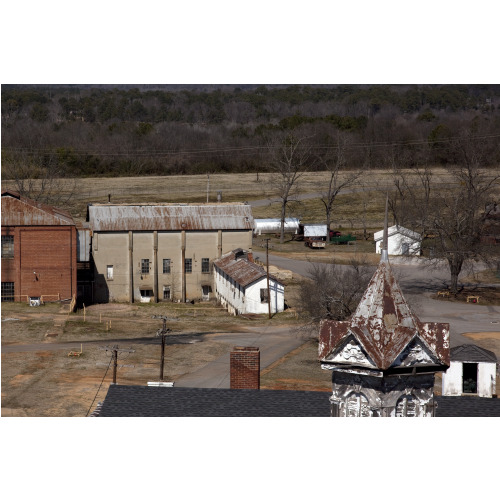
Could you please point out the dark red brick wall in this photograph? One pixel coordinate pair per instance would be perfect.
(44, 261)
(245, 368)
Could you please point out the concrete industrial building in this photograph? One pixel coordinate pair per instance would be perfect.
(39, 251)
(156, 252)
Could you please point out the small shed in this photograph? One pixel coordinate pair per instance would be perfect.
(400, 241)
(472, 371)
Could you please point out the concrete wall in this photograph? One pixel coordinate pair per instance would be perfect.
(453, 379)
(124, 251)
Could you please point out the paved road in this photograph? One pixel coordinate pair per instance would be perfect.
(273, 342)
(418, 282)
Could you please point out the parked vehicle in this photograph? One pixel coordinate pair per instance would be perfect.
(338, 238)
(315, 242)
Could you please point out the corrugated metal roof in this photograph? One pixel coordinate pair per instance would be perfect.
(241, 271)
(384, 324)
(20, 211)
(170, 217)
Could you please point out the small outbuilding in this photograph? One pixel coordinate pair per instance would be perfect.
(400, 241)
(472, 371)
(241, 285)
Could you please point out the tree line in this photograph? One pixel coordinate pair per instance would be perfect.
(159, 130)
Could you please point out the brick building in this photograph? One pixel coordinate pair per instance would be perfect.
(39, 250)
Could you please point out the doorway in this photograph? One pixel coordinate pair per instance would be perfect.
(469, 384)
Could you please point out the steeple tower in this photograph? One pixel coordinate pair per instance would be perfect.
(383, 360)
(384, 250)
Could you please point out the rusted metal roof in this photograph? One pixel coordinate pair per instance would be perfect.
(241, 270)
(384, 324)
(170, 217)
(20, 211)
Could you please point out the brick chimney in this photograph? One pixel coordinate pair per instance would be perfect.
(245, 368)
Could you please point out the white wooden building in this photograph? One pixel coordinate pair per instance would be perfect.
(400, 241)
(241, 285)
(472, 371)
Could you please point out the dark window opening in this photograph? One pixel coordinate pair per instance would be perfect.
(7, 291)
(147, 293)
(188, 266)
(144, 266)
(166, 293)
(264, 297)
(470, 378)
(7, 247)
(205, 265)
(166, 266)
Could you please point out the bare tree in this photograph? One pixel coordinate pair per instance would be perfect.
(291, 156)
(334, 291)
(335, 163)
(454, 215)
(39, 178)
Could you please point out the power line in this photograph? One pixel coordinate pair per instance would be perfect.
(243, 150)
(100, 385)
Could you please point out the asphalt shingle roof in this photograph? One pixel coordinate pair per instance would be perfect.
(143, 401)
(472, 354)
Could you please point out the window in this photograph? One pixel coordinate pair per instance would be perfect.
(7, 291)
(357, 405)
(147, 293)
(188, 266)
(205, 265)
(407, 406)
(264, 295)
(109, 272)
(144, 266)
(166, 266)
(166, 293)
(7, 247)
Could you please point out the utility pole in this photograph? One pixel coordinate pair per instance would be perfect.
(115, 350)
(267, 267)
(162, 333)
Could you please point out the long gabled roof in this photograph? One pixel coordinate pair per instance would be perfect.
(242, 271)
(18, 210)
(143, 401)
(170, 217)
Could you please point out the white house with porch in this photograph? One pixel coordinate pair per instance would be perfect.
(241, 285)
(400, 241)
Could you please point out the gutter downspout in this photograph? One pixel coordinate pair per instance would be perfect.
(131, 265)
(183, 266)
(155, 264)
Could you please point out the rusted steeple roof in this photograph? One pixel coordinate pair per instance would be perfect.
(383, 323)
